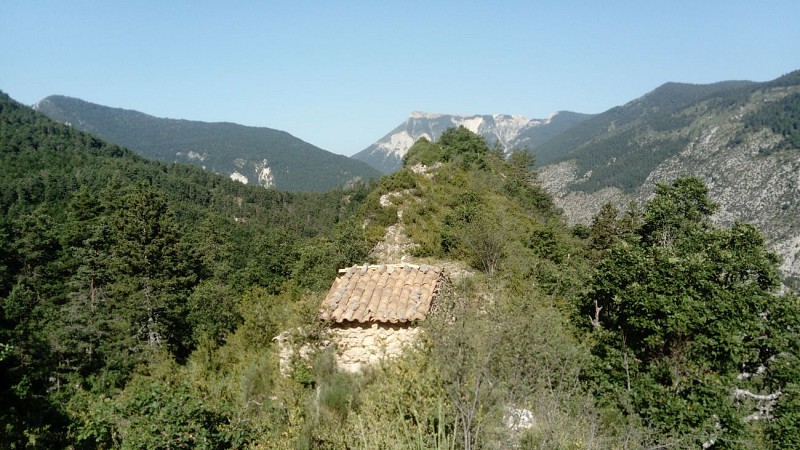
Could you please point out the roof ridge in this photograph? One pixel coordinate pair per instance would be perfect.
(394, 265)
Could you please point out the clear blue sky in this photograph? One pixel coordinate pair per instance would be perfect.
(341, 74)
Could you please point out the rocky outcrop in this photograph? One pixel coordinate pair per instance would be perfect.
(749, 183)
(509, 131)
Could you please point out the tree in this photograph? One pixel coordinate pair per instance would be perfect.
(152, 276)
(461, 141)
(521, 163)
(159, 410)
(681, 309)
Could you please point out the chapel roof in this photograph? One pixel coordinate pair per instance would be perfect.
(392, 293)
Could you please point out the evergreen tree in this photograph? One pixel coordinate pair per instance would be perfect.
(152, 275)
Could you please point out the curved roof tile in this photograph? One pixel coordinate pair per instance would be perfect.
(382, 293)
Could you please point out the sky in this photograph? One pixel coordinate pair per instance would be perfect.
(342, 74)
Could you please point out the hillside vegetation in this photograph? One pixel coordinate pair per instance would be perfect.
(624, 144)
(140, 302)
(740, 138)
(262, 156)
(111, 263)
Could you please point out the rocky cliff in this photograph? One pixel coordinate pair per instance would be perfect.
(753, 172)
(509, 131)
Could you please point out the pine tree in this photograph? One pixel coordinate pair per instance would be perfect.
(152, 277)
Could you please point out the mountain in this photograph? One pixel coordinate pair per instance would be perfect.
(740, 137)
(510, 131)
(255, 155)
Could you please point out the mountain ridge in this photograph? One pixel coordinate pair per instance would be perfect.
(680, 129)
(256, 155)
(507, 130)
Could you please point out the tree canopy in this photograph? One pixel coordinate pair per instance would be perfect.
(683, 313)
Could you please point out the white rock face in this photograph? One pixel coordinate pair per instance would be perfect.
(471, 123)
(500, 127)
(510, 131)
(264, 174)
(507, 128)
(399, 143)
(261, 173)
(236, 176)
(197, 156)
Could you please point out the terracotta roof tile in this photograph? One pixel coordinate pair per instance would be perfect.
(382, 293)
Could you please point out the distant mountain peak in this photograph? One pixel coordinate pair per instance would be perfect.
(424, 115)
(510, 130)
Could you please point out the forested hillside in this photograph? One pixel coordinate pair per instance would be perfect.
(622, 145)
(262, 156)
(141, 302)
(110, 261)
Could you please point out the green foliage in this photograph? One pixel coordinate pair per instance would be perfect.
(471, 179)
(424, 152)
(265, 315)
(608, 228)
(454, 144)
(493, 214)
(498, 354)
(161, 410)
(680, 308)
(781, 117)
(398, 181)
(319, 260)
(109, 260)
(151, 271)
(403, 405)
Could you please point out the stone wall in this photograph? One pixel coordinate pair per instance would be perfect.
(359, 345)
(356, 345)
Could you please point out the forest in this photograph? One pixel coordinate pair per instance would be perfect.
(782, 117)
(139, 303)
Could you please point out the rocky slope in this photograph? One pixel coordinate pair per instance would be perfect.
(509, 131)
(752, 171)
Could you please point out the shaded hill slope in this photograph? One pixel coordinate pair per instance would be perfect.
(255, 155)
